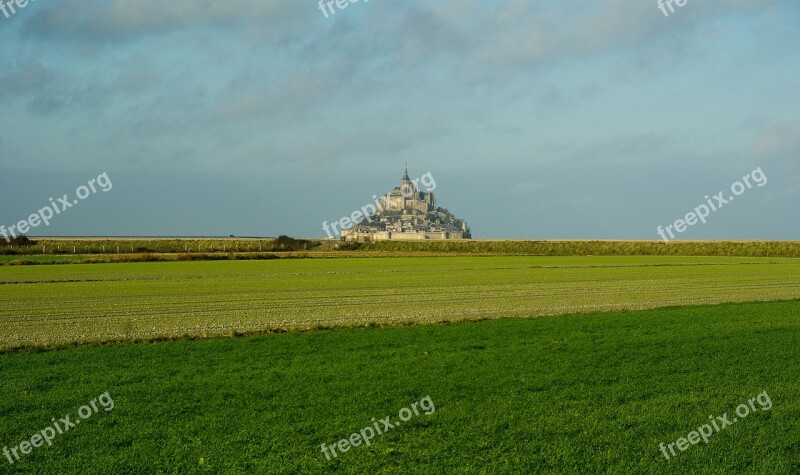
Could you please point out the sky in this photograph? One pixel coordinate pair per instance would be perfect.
(538, 119)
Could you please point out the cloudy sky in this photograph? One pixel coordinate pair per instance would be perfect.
(538, 119)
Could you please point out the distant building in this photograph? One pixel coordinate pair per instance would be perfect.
(408, 214)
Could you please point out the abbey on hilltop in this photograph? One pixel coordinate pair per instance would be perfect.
(408, 214)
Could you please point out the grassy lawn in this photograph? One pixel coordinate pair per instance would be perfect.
(574, 393)
(52, 305)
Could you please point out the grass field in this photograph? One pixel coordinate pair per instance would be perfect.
(582, 393)
(57, 305)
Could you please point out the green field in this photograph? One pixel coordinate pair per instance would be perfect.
(595, 384)
(58, 305)
(568, 394)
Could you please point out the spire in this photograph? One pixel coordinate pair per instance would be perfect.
(405, 174)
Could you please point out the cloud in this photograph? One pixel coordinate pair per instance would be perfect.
(372, 80)
(778, 149)
(627, 148)
(528, 33)
(781, 139)
(28, 78)
(103, 22)
(528, 188)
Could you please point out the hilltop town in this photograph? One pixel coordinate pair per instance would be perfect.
(408, 213)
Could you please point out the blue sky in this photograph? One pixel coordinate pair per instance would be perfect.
(539, 119)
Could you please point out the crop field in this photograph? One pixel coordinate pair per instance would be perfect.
(587, 393)
(58, 305)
